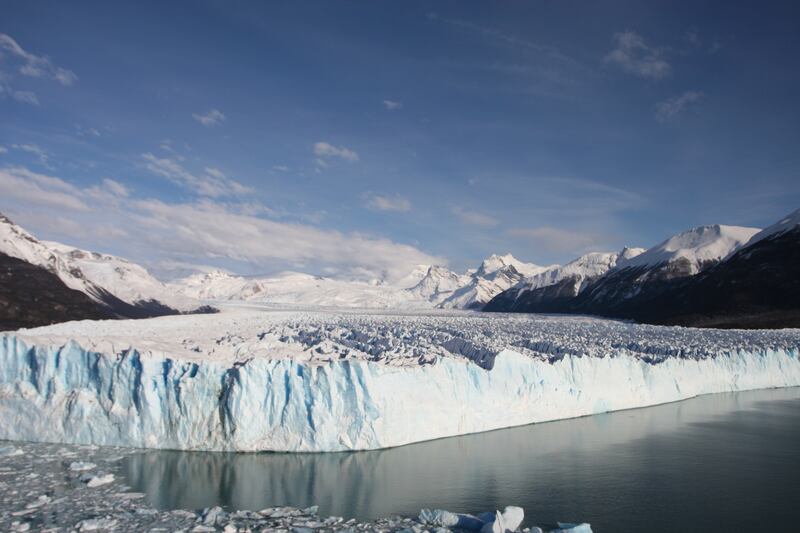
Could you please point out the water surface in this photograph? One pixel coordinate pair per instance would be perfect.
(725, 462)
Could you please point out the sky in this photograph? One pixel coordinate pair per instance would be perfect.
(363, 138)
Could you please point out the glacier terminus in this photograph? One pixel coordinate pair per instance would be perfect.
(255, 379)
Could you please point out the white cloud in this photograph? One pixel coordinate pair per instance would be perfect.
(212, 117)
(3, 149)
(115, 187)
(214, 183)
(216, 173)
(672, 108)
(635, 56)
(21, 186)
(391, 105)
(195, 231)
(36, 66)
(25, 97)
(323, 150)
(108, 191)
(474, 218)
(383, 202)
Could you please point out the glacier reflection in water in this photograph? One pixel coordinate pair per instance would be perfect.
(723, 462)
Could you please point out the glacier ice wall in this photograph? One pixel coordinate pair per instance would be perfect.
(69, 394)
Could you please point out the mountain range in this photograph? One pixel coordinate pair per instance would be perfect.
(715, 276)
(709, 276)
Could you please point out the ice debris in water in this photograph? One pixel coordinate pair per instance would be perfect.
(59, 499)
(10, 451)
(508, 521)
(564, 527)
(98, 481)
(80, 466)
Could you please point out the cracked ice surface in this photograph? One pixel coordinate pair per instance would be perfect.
(252, 379)
(401, 339)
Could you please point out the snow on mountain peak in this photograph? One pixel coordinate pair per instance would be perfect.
(437, 282)
(92, 273)
(585, 267)
(699, 246)
(495, 262)
(787, 223)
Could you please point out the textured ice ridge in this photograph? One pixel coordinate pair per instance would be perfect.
(67, 393)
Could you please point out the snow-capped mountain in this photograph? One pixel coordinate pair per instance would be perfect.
(692, 251)
(296, 289)
(787, 224)
(424, 287)
(563, 282)
(720, 276)
(496, 263)
(127, 289)
(438, 284)
(586, 267)
(474, 288)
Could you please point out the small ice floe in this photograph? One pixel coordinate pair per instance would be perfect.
(38, 502)
(10, 451)
(508, 521)
(97, 524)
(97, 481)
(80, 466)
(566, 527)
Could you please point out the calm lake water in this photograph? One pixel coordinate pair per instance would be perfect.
(725, 462)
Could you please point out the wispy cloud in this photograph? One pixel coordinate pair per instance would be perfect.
(20, 186)
(25, 97)
(508, 39)
(197, 231)
(210, 118)
(34, 65)
(392, 105)
(384, 202)
(554, 239)
(324, 150)
(213, 183)
(474, 218)
(633, 55)
(35, 150)
(670, 109)
(87, 132)
(3, 149)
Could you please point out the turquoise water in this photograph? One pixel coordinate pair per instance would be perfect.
(725, 462)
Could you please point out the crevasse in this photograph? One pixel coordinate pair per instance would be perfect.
(68, 394)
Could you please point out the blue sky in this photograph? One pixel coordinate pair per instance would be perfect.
(364, 137)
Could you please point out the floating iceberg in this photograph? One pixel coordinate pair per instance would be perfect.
(249, 380)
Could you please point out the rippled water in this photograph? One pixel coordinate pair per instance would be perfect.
(725, 462)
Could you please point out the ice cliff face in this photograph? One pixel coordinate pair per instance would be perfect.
(346, 393)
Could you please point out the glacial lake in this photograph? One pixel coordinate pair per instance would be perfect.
(724, 462)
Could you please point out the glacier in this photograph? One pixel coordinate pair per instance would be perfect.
(318, 382)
